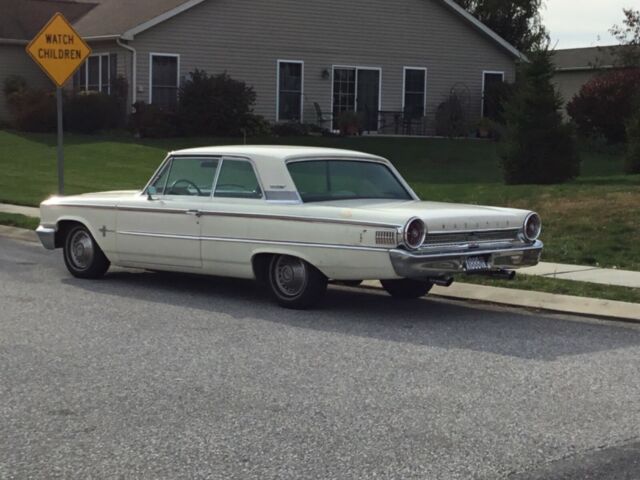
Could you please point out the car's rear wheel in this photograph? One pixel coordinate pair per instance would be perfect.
(295, 283)
(406, 288)
(82, 255)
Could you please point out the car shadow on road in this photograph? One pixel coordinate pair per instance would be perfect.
(371, 313)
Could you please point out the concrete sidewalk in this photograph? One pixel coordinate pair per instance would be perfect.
(19, 209)
(576, 273)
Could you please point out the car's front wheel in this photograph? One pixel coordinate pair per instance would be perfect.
(295, 283)
(406, 288)
(82, 255)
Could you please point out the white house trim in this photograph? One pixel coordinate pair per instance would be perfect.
(156, 54)
(356, 68)
(404, 85)
(300, 62)
(484, 74)
(131, 33)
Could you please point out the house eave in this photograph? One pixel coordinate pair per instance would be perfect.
(486, 30)
(131, 33)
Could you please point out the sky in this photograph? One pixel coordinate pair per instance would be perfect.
(583, 23)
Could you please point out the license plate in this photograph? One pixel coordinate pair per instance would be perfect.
(475, 264)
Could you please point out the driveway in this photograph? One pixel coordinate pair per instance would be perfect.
(145, 375)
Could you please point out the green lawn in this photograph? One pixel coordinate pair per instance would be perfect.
(20, 221)
(594, 220)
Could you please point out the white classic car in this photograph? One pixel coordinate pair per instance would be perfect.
(291, 217)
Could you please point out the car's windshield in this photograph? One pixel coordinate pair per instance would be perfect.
(322, 180)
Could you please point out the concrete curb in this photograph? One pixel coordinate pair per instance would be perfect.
(592, 307)
(16, 233)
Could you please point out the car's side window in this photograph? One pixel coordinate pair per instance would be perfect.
(237, 179)
(188, 176)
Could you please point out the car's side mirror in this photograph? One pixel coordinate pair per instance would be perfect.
(151, 191)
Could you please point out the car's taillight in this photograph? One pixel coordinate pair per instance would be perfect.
(414, 233)
(532, 227)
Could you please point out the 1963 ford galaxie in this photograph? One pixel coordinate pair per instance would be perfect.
(291, 217)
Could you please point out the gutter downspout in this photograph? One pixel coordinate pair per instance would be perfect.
(134, 74)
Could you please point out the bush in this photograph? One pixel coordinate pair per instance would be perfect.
(13, 84)
(537, 146)
(632, 158)
(289, 129)
(33, 110)
(604, 104)
(215, 105)
(496, 96)
(153, 122)
(91, 112)
(451, 119)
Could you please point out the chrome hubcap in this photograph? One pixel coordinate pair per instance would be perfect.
(81, 250)
(290, 275)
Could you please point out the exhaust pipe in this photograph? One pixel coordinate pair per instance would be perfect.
(442, 281)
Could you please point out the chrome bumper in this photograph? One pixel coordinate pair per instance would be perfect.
(47, 236)
(419, 264)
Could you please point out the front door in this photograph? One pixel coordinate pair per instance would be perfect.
(163, 229)
(357, 89)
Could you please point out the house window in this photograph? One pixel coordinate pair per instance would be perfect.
(490, 103)
(290, 89)
(164, 80)
(415, 91)
(97, 74)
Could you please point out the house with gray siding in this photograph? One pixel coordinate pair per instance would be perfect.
(306, 60)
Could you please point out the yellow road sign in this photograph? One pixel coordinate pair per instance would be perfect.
(58, 49)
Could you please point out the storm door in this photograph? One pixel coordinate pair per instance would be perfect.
(357, 89)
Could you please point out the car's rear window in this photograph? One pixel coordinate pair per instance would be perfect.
(323, 180)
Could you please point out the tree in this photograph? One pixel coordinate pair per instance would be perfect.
(632, 159)
(628, 35)
(517, 21)
(537, 147)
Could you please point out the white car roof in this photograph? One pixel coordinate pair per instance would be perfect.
(274, 152)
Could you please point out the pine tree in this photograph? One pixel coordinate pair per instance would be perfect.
(537, 147)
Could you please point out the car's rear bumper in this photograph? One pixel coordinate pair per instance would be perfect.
(429, 264)
(47, 236)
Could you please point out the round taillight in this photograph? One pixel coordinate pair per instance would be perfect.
(414, 233)
(532, 227)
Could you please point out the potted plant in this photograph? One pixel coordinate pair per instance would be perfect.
(349, 123)
(484, 128)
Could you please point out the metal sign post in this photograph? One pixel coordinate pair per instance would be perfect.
(60, 142)
(59, 51)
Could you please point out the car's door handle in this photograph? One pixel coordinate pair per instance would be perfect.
(195, 213)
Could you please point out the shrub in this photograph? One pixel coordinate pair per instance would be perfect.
(289, 129)
(215, 105)
(91, 112)
(604, 104)
(13, 84)
(451, 118)
(33, 110)
(153, 122)
(537, 146)
(632, 158)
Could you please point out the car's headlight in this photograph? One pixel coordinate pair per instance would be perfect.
(414, 233)
(532, 227)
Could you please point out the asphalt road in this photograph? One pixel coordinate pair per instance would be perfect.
(144, 375)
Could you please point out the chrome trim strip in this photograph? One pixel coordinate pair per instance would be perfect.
(261, 216)
(477, 230)
(251, 240)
